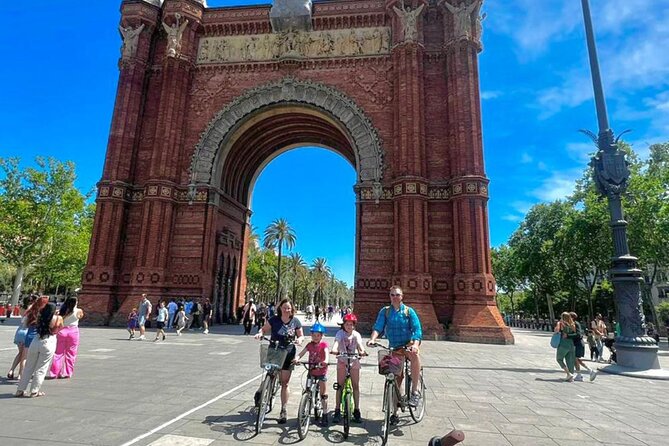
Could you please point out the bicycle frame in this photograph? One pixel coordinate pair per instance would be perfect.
(268, 390)
(347, 402)
(310, 399)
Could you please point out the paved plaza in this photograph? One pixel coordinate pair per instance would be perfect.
(198, 389)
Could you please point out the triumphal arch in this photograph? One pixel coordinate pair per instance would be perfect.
(208, 96)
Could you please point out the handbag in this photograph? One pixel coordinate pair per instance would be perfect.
(555, 339)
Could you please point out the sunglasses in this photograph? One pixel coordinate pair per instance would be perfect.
(394, 294)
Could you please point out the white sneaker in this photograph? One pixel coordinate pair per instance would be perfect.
(206, 332)
(593, 375)
(579, 377)
(141, 338)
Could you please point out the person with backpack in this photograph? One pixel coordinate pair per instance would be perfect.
(403, 329)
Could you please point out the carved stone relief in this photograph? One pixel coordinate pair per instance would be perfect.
(294, 44)
(369, 153)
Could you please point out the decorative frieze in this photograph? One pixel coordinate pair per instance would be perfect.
(433, 192)
(294, 44)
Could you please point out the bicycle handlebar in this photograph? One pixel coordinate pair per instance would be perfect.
(310, 365)
(349, 355)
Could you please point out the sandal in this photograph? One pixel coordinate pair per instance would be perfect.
(37, 394)
(19, 394)
(10, 375)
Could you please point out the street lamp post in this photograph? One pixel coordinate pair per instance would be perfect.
(636, 352)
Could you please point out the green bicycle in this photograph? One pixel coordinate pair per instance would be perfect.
(347, 405)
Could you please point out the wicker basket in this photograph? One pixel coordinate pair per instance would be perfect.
(389, 363)
(272, 356)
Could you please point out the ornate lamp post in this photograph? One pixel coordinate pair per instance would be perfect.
(637, 352)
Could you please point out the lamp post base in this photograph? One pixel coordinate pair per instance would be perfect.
(637, 360)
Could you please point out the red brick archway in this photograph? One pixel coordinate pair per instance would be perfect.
(207, 96)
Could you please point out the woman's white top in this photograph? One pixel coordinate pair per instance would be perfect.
(71, 320)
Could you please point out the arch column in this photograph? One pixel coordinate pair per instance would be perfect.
(476, 317)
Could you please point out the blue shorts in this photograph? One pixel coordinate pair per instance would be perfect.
(30, 335)
(20, 336)
(142, 321)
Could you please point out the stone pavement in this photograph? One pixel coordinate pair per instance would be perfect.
(499, 395)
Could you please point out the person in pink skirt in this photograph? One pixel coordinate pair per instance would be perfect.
(67, 340)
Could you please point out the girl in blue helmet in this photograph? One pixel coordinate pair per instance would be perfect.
(318, 354)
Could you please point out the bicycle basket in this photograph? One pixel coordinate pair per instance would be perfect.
(272, 356)
(389, 363)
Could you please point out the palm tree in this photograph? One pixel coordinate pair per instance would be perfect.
(321, 272)
(278, 234)
(296, 263)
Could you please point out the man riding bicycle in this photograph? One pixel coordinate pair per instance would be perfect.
(402, 328)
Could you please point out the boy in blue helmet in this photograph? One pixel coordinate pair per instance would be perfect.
(318, 354)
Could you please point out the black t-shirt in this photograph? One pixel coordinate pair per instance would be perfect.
(284, 334)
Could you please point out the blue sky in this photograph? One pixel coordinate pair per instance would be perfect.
(60, 71)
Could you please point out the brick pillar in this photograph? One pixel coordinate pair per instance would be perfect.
(152, 264)
(475, 315)
(101, 275)
(409, 183)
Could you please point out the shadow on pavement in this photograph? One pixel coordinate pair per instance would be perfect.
(241, 425)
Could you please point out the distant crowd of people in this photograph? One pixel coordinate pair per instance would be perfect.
(179, 315)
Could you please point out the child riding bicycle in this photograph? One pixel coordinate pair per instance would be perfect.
(318, 354)
(348, 340)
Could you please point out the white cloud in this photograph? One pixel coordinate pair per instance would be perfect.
(558, 185)
(632, 39)
(581, 151)
(485, 95)
(526, 158)
(511, 217)
(521, 206)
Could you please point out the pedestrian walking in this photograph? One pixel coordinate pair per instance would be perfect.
(143, 316)
(171, 311)
(181, 319)
(594, 354)
(20, 340)
(565, 355)
(40, 352)
(579, 351)
(600, 333)
(132, 322)
(195, 314)
(248, 316)
(207, 312)
(161, 320)
(67, 340)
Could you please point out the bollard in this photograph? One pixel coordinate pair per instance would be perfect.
(452, 438)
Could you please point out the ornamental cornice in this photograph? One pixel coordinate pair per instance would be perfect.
(151, 190)
(446, 191)
(319, 64)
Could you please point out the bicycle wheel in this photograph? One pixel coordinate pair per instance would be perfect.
(265, 401)
(348, 410)
(304, 415)
(388, 403)
(418, 412)
(276, 385)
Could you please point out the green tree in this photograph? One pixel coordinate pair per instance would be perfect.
(505, 270)
(277, 235)
(321, 273)
(297, 266)
(539, 259)
(36, 206)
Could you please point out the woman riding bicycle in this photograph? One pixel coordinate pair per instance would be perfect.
(348, 340)
(286, 332)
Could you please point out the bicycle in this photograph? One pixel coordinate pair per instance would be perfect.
(347, 405)
(272, 358)
(311, 398)
(392, 395)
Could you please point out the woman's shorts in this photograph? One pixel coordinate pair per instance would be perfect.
(30, 335)
(160, 325)
(288, 363)
(20, 336)
(579, 350)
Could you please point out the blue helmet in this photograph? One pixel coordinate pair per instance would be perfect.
(318, 328)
